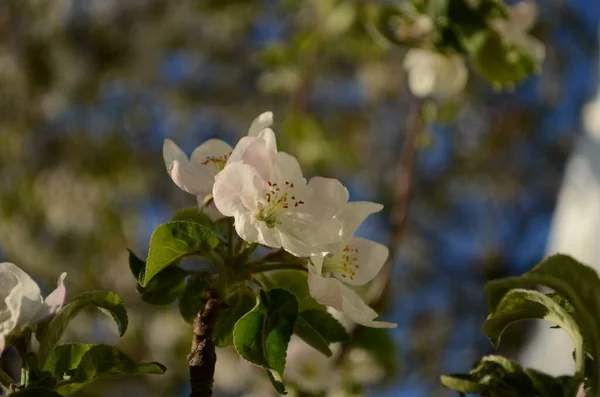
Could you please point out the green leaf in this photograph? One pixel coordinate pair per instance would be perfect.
(520, 304)
(380, 344)
(502, 65)
(108, 302)
(262, 335)
(497, 376)
(193, 214)
(192, 299)
(35, 392)
(314, 324)
(237, 306)
(172, 241)
(164, 288)
(318, 328)
(578, 283)
(79, 364)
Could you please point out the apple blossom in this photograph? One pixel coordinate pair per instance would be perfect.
(353, 261)
(196, 175)
(521, 18)
(273, 204)
(432, 74)
(23, 304)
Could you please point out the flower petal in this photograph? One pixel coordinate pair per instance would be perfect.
(23, 300)
(210, 148)
(263, 121)
(370, 257)
(191, 179)
(358, 311)
(268, 136)
(237, 185)
(330, 195)
(325, 290)
(354, 214)
(53, 302)
(260, 158)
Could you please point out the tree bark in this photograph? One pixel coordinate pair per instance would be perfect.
(202, 357)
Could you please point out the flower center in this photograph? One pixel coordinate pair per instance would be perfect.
(277, 199)
(342, 263)
(217, 161)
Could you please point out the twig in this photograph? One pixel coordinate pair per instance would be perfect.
(202, 357)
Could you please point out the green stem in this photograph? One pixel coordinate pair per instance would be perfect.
(22, 346)
(5, 380)
(278, 266)
(230, 234)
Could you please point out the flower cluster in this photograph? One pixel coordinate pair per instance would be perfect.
(274, 205)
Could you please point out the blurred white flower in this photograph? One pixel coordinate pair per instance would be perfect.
(591, 118)
(22, 303)
(308, 369)
(521, 19)
(234, 374)
(431, 74)
(363, 367)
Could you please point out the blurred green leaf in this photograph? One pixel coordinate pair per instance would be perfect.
(318, 328)
(193, 214)
(174, 240)
(79, 364)
(192, 298)
(108, 302)
(262, 335)
(237, 306)
(35, 392)
(380, 344)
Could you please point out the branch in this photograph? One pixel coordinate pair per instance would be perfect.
(202, 357)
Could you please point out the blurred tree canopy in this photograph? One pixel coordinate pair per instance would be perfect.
(91, 88)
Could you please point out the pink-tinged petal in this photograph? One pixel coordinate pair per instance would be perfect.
(268, 136)
(367, 259)
(327, 291)
(263, 121)
(259, 157)
(212, 148)
(237, 185)
(54, 301)
(358, 311)
(329, 195)
(355, 213)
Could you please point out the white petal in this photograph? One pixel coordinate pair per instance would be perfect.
(358, 311)
(245, 227)
(260, 158)
(370, 259)
(23, 300)
(268, 136)
(53, 302)
(326, 291)
(263, 121)
(317, 261)
(330, 195)
(354, 214)
(238, 184)
(189, 178)
(288, 169)
(210, 148)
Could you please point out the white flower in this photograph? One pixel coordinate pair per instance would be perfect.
(196, 175)
(521, 18)
(308, 369)
(23, 305)
(431, 74)
(353, 261)
(273, 204)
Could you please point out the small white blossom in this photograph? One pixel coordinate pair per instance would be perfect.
(352, 261)
(431, 74)
(196, 175)
(22, 304)
(521, 19)
(273, 204)
(310, 370)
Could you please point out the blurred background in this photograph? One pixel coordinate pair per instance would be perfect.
(89, 89)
